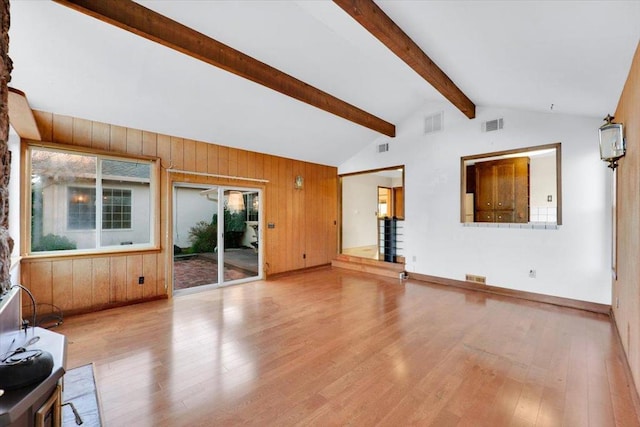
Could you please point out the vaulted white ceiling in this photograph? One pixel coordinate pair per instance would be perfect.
(519, 54)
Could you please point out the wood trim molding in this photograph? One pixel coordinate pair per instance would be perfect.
(151, 25)
(380, 25)
(633, 390)
(529, 296)
(89, 150)
(259, 181)
(298, 271)
(387, 168)
(523, 150)
(21, 116)
(108, 306)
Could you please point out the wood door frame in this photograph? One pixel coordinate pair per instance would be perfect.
(369, 171)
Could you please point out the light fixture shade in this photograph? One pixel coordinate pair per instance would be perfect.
(235, 202)
(611, 142)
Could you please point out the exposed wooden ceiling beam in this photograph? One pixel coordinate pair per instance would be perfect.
(151, 25)
(21, 116)
(371, 17)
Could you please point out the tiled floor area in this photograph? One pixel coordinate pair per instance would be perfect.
(202, 269)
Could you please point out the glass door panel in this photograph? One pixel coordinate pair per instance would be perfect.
(212, 227)
(195, 252)
(241, 231)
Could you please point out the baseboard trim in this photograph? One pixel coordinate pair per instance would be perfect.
(298, 271)
(635, 397)
(529, 296)
(101, 307)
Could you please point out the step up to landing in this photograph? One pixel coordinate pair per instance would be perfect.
(381, 268)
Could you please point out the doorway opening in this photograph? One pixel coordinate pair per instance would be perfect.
(372, 207)
(213, 227)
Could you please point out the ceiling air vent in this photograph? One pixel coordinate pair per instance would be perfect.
(383, 148)
(433, 123)
(491, 125)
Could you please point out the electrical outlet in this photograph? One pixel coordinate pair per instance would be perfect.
(532, 273)
(413, 258)
(141, 280)
(617, 302)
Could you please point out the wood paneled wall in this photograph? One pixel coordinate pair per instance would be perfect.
(305, 221)
(625, 300)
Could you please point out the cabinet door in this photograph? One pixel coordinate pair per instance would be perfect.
(505, 185)
(522, 190)
(504, 216)
(484, 216)
(485, 189)
(398, 202)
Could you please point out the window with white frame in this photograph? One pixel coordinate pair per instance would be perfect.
(81, 213)
(116, 208)
(251, 203)
(66, 214)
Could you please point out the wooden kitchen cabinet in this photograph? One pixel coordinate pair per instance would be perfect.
(502, 190)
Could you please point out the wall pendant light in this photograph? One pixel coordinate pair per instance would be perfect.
(612, 146)
(235, 202)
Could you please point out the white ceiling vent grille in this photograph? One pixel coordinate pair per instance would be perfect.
(383, 148)
(492, 125)
(434, 123)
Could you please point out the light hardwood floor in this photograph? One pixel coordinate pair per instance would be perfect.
(369, 252)
(334, 347)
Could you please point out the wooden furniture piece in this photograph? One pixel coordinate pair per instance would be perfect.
(37, 404)
(50, 413)
(21, 407)
(502, 190)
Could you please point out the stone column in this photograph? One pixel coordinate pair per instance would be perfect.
(6, 242)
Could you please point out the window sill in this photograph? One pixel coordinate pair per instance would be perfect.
(93, 253)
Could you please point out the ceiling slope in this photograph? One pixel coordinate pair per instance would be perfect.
(371, 17)
(144, 22)
(523, 55)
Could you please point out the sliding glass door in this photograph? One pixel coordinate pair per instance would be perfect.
(216, 236)
(239, 233)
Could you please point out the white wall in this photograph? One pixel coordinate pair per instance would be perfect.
(542, 184)
(140, 231)
(189, 209)
(572, 261)
(542, 180)
(359, 209)
(55, 202)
